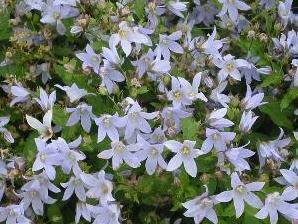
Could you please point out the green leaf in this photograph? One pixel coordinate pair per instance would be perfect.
(59, 116)
(291, 95)
(189, 128)
(5, 28)
(139, 6)
(54, 214)
(278, 117)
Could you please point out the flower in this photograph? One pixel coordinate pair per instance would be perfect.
(20, 94)
(90, 59)
(291, 191)
(172, 117)
(247, 121)
(98, 187)
(155, 68)
(69, 157)
(119, 153)
(13, 214)
(75, 184)
(152, 153)
(284, 11)
(44, 128)
(192, 91)
(185, 153)
(250, 102)
(109, 75)
(127, 35)
(31, 195)
(6, 134)
(216, 120)
(45, 101)
(107, 214)
(217, 95)
(168, 43)
(108, 125)
(231, 7)
(217, 139)
(43, 70)
(136, 119)
(274, 203)
(271, 149)
(177, 95)
(82, 209)
(241, 192)
(201, 207)
(74, 93)
(212, 46)
(83, 113)
(229, 66)
(53, 14)
(46, 158)
(237, 157)
(177, 7)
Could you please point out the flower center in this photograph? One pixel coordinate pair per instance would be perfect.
(185, 150)
(43, 157)
(206, 202)
(56, 15)
(106, 122)
(230, 66)
(123, 33)
(241, 189)
(119, 148)
(177, 95)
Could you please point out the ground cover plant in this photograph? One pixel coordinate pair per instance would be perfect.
(148, 111)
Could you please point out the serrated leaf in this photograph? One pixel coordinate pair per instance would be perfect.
(291, 95)
(189, 128)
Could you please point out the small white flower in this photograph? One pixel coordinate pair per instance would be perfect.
(241, 192)
(185, 153)
(45, 101)
(44, 128)
(201, 207)
(247, 121)
(277, 203)
(74, 93)
(119, 153)
(152, 153)
(250, 101)
(215, 119)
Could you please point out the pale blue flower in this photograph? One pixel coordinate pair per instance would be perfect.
(275, 203)
(74, 184)
(83, 113)
(82, 210)
(74, 93)
(136, 119)
(216, 119)
(45, 101)
(231, 7)
(20, 94)
(107, 214)
(45, 128)
(241, 193)
(185, 154)
(217, 139)
(108, 125)
(247, 121)
(6, 134)
(13, 214)
(201, 207)
(168, 44)
(177, 7)
(98, 187)
(90, 59)
(152, 153)
(121, 153)
(251, 101)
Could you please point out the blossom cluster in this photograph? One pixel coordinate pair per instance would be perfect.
(114, 111)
